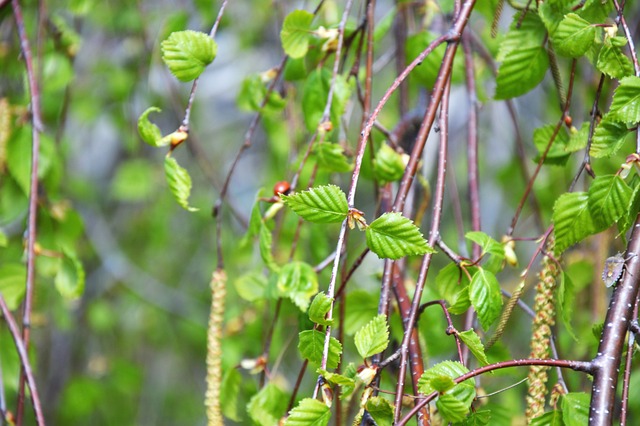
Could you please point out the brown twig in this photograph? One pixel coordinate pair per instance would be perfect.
(36, 128)
(24, 361)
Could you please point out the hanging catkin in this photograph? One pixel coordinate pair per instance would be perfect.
(214, 348)
(545, 310)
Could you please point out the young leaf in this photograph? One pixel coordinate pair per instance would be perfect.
(373, 338)
(298, 281)
(471, 339)
(608, 137)
(566, 299)
(632, 211)
(388, 165)
(251, 286)
(573, 37)
(187, 53)
(179, 182)
(315, 94)
(557, 153)
(309, 412)
(12, 283)
(609, 198)
(268, 406)
(311, 345)
(572, 219)
(266, 241)
(149, 132)
(522, 69)
(393, 236)
(322, 204)
(575, 408)
(330, 156)
(252, 94)
(477, 418)
(524, 31)
(488, 244)
(612, 62)
(319, 308)
(381, 410)
(550, 418)
(626, 101)
(454, 404)
(69, 280)
(484, 292)
(453, 286)
(347, 384)
(229, 394)
(295, 34)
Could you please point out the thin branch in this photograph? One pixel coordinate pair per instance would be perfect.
(581, 366)
(24, 361)
(36, 128)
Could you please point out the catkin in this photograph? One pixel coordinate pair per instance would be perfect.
(545, 310)
(214, 348)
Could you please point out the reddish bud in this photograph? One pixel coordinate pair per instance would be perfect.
(282, 187)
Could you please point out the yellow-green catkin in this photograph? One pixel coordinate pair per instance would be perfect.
(214, 348)
(545, 310)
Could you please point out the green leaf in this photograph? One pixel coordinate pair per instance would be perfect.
(252, 286)
(566, 301)
(252, 94)
(523, 32)
(488, 244)
(315, 94)
(454, 404)
(266, 241)
(19, 155)
(381, 410)
(471, 339)
(311, 345)
(179, 182)
(609, 198)
(453, 286)
(229, 394)
(13, 278)
(268, 406)
(319, 308)
(442, 383)
(557, 154)
(187, 53)
(484, 292)
(322, 204)
(522, 69)
(298, 281)
(575, 408)
(626, 101)
(613, 62)
(608, 137)
(149, 132)
(427, 72)
(330, 156)
(629, 217)
(388, 165)
(295, 34)
(477, 418)
(309, 412)
(69, 280)
(373, 338)
(363, 306)
(393, 236)
(347, 384)
(578, 138)
(550, 418)
(572, 219)
(573, 37)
